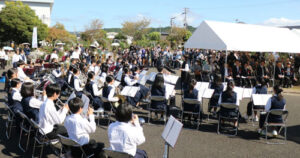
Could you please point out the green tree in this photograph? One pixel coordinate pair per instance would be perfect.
(178, 36)
(136, 29)
(154, 36)
(17, 21)
(59, 33)
(93, 32)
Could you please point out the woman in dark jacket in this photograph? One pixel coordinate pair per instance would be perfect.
(159, 89)
(276, 102)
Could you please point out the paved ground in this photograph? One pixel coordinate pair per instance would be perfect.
(192, 143)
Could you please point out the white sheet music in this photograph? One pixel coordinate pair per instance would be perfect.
(142, 78)
(247, 92)
(129, 91)
(225, 86)
(261, 99)
(169, 90)
(171, 79)
(202, 85)
(200, 94)
(119, 74)
(172, 131)
(208, 93)
(151, 76)
(239, 92)
(116, 83)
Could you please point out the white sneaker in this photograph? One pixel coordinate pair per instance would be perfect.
(275, 134)
(256, 119)
(263, 132)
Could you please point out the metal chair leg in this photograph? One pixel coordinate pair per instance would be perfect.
(28, 138)
(219, 123)
(20, 138)
(41, 153)
(33, 150)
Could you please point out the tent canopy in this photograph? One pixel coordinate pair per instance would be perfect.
(243, 37)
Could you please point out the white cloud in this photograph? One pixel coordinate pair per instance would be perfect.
(281, 22)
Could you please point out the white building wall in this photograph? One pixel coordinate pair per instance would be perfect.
(42, 10)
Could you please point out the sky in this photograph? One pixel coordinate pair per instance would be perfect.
(77, 14)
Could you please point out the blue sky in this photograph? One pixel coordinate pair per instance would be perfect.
(76, 14)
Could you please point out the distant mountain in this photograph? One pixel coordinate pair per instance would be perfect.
(159, 29)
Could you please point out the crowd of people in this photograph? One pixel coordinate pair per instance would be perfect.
(93, 73)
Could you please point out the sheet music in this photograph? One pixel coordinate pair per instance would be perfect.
(151, 76)
(116, 83)
(225, 86)
(261, 99)
(208, 93)
(129, 91)
(200, 94)
(171, 79)
(172, 131)
(142, 78)
(169, 90)
(239, 92)
(247, 92)
(119, 74)
(202, 85)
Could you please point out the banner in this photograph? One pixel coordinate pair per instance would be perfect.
(34, 38)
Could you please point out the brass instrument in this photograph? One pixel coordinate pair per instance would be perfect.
(121, 97)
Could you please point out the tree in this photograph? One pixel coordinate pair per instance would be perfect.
(178, 36)
(58, 32)
(136, 29)
(17, 21)
(154, 36)
(93, 31)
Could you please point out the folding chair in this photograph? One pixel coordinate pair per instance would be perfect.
(108, 113)
(191, 102)
(65, 141)
(24, 127)
(116, 154)
(277, 112)
(229, 106)
(156, 98)
(40, 138)
(10, 121)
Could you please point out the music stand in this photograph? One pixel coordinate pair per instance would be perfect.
(170, 134)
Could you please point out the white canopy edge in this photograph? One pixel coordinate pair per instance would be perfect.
(243, 37)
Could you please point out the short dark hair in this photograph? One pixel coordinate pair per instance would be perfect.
(109, 78)
(123, 113)
(10, 72)
(52, 88)
(27, 90)
(160, 68)
(75, 104)
(21, 62)
(14, 82)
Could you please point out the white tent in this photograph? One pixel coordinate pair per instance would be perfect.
(243, 37)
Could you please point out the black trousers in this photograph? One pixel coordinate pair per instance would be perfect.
(91, 148)
(58, 129)
(140, 154)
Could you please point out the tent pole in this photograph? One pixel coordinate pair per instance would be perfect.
(274, 70)
(225, 64)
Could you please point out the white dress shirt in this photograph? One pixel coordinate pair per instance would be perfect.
(96, 91)
(129, 81)
(21, 56)
(95, 69)
(48, 116)
(79, 128)
(54, 56)
(21, 75)
(16, 95)
(15, 58)
(77, 84)
(70, 76)
(125, 137)
(35, 103)
(54, 72)
(112, 94)
(2, 54)
(75, 55)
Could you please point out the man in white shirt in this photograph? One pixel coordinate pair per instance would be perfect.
(50, 118)
(15, 59)
(21, 75)
(126, 133)
(2, 59)
(79, 128)
(54, 55)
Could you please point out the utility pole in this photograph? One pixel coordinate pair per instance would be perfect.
(185, 19)
(171, 23)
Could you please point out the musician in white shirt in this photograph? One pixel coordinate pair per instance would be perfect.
(54, 55)
(75, 54)
(126, 133)
(21, 75)
(79, 128)
(15, 59)
(50, 119)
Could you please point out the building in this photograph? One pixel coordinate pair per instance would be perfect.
(42, 8)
